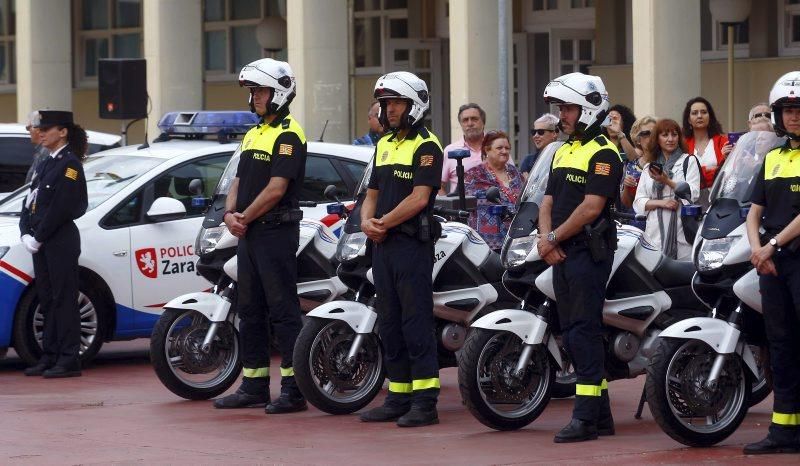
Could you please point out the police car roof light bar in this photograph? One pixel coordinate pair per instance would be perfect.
(202, 123)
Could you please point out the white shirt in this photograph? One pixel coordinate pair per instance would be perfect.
(57, 151)
(646, 191)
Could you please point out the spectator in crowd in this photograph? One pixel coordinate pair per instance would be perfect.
(545, 131)
(375, 129)
(705, 140)
(39, 152)
(619, 130)
(495, 170)
(667, 163)
(640, 135)
(472, 119)
(759, 118)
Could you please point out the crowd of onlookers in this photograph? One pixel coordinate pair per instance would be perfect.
(658, 153)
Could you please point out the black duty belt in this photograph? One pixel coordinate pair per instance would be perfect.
(282, 216)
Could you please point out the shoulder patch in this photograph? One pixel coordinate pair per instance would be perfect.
(285, 124)
(71, 173)
(285, 149)
(426, 161)
(601, 168)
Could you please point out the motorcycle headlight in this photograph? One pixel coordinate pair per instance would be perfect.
(208, 238)
(713, 252)
(350, 244)
(4, 250)
(517, 250)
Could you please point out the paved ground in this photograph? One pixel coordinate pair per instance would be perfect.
(118, 412)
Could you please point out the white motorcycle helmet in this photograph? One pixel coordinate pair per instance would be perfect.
(785, 93)
(584, 90)
(403, 85)
(273, 74)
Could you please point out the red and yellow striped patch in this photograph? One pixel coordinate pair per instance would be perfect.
(71, 173)
(602, 169)
(285, 149)
(426, 161)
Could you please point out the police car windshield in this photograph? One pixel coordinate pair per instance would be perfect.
(735, 180)
(224, 184)
(537, 179)
(105, 176)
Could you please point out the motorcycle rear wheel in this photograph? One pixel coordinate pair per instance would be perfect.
(180, 363)
(681, 404)
(323, 374)
(496, 397)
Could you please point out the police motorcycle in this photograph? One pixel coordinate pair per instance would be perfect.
(706, 371)
(194, 347)
(338, 359)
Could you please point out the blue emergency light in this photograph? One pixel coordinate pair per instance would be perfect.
(691, 210)
(207, 122)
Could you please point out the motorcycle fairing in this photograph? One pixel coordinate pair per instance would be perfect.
(529, 327)
(360, 317)
(213, 306)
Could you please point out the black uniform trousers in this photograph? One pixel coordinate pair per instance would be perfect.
(580, 287)
(267, 283)
(781, 306)
(402, 267)
(56, 269)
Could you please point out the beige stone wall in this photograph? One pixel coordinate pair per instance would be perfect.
(363, 87)
(754, 78)
(8, 107)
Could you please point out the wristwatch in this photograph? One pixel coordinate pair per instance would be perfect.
(774, 243)
(551, 237)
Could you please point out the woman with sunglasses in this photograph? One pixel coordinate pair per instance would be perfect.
(760, 118)
(545, 131)
(496, 170)
(640, 135)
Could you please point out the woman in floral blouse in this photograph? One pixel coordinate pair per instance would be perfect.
(494, 171)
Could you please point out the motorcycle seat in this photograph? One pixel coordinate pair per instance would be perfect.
(492, 268)
(672, 273)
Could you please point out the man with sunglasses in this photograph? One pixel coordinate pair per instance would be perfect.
(759, 118)
(545, 131)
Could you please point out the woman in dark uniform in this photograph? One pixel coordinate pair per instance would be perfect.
(57, 198)
(775, 207)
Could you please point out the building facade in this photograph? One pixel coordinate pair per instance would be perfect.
(652, 54)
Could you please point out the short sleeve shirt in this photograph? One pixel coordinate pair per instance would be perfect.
(777, 188)
(274, 149)
(590, 166)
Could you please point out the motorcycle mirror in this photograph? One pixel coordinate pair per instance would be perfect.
(331, 193)
(683, 191)
(493, 195)
(196, 186)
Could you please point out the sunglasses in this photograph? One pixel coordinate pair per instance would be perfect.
(541, 132)
(645, 133)
(766, 115)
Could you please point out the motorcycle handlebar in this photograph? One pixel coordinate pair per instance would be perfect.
(638, 217)
(463, 214)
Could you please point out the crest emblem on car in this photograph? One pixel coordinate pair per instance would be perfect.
(146, 261)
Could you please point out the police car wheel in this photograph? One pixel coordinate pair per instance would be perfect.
(29, 324)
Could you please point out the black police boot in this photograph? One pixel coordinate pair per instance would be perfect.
(577, 430)
(779, 440)
(38, 369)
(394, 407)
(252, 393)
(419, 415)
(60, 371)
(290, 401)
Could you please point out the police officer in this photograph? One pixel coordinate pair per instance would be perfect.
(57, 198)
(397, 216)
(262, 210)
(578, 238)
(776, 256)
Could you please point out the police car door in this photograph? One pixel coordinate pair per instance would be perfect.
(163, 258)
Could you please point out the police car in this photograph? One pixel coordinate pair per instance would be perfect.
(145, 209)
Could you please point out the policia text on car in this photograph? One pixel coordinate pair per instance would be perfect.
(578, 238)
(262, 209)
(397, 216)
(776, 256)
(57, 197)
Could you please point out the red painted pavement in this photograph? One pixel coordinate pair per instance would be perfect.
(118, 412)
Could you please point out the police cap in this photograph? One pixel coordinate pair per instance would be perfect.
(48, 118)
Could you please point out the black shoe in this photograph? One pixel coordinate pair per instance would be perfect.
(769, 445)
(287, 403)
(577, 430)
(385, 413)
(606, 426)
(241, 399)
(418, 416)
(60, 372)
(38, 369)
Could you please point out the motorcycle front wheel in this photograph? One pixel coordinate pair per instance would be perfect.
(493, 392)
(683, 406)
(323, 372)
(181, 364)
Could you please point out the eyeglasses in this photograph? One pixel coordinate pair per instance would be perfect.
(541, 132)
(645, 133)
(766, 115)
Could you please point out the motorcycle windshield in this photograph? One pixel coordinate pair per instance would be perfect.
(353, 224)
(527, 217)
(737, 176)
(224, 184)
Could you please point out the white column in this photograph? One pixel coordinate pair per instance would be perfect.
(666, 56)
(44, 55)
(474, 61)
(173, 38)
(318, 51)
